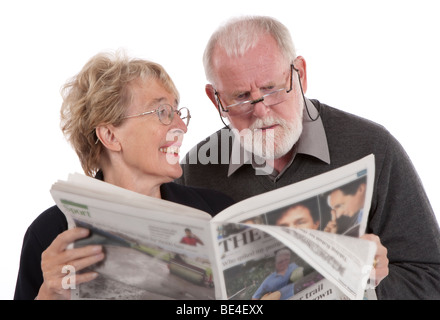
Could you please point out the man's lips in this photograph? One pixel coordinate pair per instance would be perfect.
(268, 127)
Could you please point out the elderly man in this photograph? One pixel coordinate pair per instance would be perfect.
(257, 82)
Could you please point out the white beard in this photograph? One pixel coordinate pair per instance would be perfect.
(272, 143)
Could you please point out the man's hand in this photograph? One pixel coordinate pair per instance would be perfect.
(380, 268)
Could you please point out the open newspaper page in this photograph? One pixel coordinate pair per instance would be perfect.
(300, 241)
(155, 249)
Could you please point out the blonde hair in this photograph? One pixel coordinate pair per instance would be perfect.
(240, 34)
(100, 94)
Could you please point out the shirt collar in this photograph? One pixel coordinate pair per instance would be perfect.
(313, 141)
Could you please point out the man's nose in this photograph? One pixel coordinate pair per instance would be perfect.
(260, 108)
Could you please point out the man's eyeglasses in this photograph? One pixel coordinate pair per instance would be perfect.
(165, 113)
(235, 107)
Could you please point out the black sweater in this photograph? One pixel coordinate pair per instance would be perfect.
(400, 213)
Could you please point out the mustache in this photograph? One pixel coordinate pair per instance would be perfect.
(267, 122)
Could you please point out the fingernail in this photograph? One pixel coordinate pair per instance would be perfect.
(97, 249)
(99, 256)
(83, 232)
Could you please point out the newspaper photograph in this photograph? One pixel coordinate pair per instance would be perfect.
(319, 222)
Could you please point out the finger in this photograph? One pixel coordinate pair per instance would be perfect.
(381, 251)
(80, 264)
(379, 272)
(70, 257)
(81, 252)
(64, 239)
(52, 266)
(52, 261)
(380, 266)
(85, 277)
(84, 259)
(58, 288)
(330, 227)
(371, 237)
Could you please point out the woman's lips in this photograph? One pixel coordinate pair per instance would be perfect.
(170, 150)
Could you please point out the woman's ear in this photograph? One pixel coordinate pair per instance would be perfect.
(106, 134)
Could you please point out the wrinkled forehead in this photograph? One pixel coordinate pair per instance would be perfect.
(260, 64)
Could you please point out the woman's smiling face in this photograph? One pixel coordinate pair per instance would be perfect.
(149, 147)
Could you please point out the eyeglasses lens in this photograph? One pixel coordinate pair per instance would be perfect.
(269, 100)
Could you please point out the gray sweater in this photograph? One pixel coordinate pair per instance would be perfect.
(400, 213)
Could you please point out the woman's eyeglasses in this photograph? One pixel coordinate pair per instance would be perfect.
(165, 113)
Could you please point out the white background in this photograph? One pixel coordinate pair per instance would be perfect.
(377, 59)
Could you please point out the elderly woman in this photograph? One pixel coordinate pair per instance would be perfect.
(122, 118)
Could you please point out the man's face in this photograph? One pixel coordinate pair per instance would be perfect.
(347, 205)
(282, 262)
(297, 217)
(253, 75)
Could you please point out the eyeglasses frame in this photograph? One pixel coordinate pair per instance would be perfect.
(177, 111)
(260, 99)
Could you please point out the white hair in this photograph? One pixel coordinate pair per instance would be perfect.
(241, 34)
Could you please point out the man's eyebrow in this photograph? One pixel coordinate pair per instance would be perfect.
(238, 92)
(235, 93)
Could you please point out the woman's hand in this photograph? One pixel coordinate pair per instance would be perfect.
(56, 256)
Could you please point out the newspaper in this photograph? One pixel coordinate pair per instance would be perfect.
(156, 249)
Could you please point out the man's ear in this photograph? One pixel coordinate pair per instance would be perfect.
(106, 134)
(362, 188)
(210, 92)
(300, 65)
